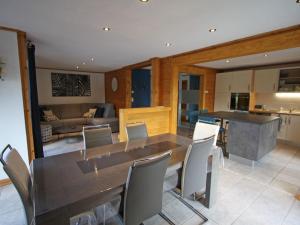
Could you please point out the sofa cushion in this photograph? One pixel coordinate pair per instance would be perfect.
(99, 112)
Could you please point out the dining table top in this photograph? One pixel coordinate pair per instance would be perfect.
(68, 184)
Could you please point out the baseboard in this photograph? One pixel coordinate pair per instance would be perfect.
(5, 182)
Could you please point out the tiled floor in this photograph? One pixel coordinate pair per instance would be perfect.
(263, 195)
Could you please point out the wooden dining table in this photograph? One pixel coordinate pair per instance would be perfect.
(68, 184)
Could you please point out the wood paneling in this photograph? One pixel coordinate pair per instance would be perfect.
(121, 98)
(25, 92)
(5, 182)
(155, 63)
(157, 120)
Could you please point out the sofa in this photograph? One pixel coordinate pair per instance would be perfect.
(71, 120)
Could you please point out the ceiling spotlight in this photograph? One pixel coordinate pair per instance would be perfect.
(266, 55)
(227, 61)
(77, 67)
(168, 44)
(83, 63)
(212, 30)
(106, 28)
(92, 59)
(144, 1)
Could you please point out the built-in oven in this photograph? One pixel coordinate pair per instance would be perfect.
(240, 101)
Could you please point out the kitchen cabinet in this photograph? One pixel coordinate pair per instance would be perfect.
(241, 81)
(223, 82)
(266, 81)
(222, 102)
(290, 128)
(293, 130)
(234, 82)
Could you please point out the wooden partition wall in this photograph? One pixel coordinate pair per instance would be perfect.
(157, 119)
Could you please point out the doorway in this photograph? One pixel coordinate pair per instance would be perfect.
(189, 99)
(141, 88)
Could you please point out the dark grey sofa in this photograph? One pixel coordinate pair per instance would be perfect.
(71, 118)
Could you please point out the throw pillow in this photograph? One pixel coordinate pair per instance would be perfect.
(99, 113)
(92, 112)
(49, 116)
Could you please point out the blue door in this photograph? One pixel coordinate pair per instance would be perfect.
(141, 88)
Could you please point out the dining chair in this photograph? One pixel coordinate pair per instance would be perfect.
(144, 189)
(17, 171)
(136, 131)
(204, 130)
(95, 136)
(192, 177)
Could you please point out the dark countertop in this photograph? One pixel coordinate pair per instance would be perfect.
(243, 117)
(286, 112)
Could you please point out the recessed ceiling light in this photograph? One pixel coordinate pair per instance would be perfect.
(84, 63)
(168, 44)
(227, 61)
(106, 28)
(212, 30)
(266, 55)
(92, 59)
(144, 1)
(77, 67)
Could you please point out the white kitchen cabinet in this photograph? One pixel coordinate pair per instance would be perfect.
(233, 82)
(290, 129)
(223, 82)
(266, 81)
(282, 133)
(222, 102)
(293, 130)
(241, 81)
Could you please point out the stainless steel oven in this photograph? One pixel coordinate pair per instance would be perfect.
(240, 101)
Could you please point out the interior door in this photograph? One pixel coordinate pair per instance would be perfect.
(141, 88)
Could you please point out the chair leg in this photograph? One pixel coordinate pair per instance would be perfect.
(164, 216)
(189, 206)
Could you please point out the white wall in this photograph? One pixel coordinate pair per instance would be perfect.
(12, 121)
(45, 88)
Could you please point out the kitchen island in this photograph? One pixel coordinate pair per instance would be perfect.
(250, 137)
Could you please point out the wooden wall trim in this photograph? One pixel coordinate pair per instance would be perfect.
(25, 92)
(270, 41)
(5, 182)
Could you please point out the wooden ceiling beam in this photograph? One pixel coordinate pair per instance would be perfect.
(266, 42)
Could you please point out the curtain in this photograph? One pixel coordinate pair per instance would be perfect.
(35, 109)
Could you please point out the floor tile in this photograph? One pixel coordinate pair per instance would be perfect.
(293, 218)
(269, 209)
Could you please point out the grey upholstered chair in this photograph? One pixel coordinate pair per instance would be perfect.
(17, 171)
(136, 131)
(192, 178)
(144, 189)
(95, 136)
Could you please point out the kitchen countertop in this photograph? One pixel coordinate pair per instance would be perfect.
(243, 117)
(284, 112)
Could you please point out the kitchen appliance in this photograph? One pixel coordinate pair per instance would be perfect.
(240, 101)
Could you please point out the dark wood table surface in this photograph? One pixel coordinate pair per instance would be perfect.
(71, 183)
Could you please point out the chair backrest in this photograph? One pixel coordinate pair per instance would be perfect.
(95, 136)
(195, 166)
(136, 131)
(17, 171)
(144, 189)
(204, 130)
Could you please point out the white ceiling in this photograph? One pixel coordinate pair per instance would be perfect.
(69, 32)
(283, 56)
